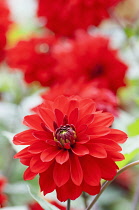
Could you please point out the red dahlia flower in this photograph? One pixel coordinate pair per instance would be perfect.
(104, 98)
(35, 58)
(65, 17)
(71, 147)
(92, 58)
(4, 24)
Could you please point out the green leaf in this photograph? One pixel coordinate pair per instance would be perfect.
(129, 32)
(133, 129)
(128, 158)
(130, 149)
(44, 204)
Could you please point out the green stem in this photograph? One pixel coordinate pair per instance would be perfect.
(107, 183)
(68, 204)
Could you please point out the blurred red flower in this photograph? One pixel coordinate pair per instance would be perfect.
(64, 17)
(4, 24)
(92, 58)
(36, 206)
(3, 197)
(104, 98)
(68, 140)
(35, 58)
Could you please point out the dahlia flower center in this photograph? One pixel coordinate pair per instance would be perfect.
(97, 71)
(65, 136)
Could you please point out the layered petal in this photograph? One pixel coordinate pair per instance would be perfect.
(24, 138)
(80, 150)
(108, 168)
(62, 156)
(24, 153)
(91, 190)
(37, 166)
(103, 119)
(61, 173)
(117, 135)
(47, 117)
(49, 154)
(97, 151)
(28, 174)
(46, 181)
(33, 121)
(68, 191)
(91, 170)
(36, 148)
(76, 170)
(97, 131)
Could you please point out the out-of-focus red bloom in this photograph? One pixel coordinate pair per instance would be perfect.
(92, 58)
(3, 197)
(4, 24)
(71, 147)
(104, 98)
(64, 17)
(35, 58)
(35, 206)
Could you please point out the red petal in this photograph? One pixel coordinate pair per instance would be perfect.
(24, 138)
(59, 116)
(103, 119)
(108, 168)
(87, 119)
(98, 131)
(47, 116)
(33, 121)
(46, 181)
(117, 135)
(82, 138)
(48, 104)
(60, 103)
(80, 150)
(97, 151)
(91, 170)
(37, 166)
(72, 105)
(23, 154)
(91, 190)
(116, 156)
(107, 144)
(61, 173)
(37, 147)
(62, 157)
(28, 174)
(76, 170)
(68, 191)
(87, 102)
(43, 135)
(25, 162)
(49, 154)
(73, 117)
(87, 106)
(81, 129)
